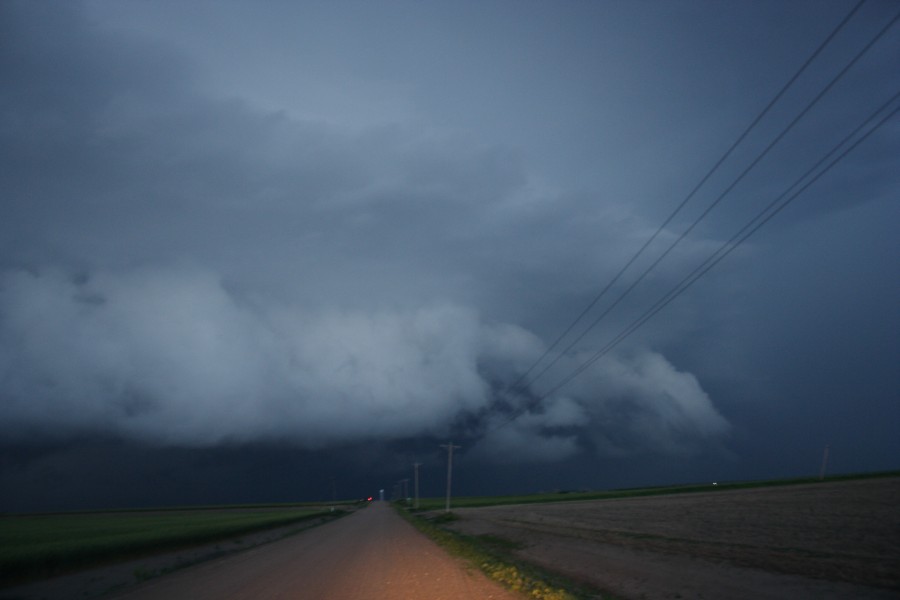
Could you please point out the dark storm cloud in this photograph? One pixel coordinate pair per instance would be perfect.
(329, 227)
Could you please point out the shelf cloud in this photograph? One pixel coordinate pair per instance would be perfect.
(326, 227)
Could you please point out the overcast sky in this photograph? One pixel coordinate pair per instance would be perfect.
(247, 247)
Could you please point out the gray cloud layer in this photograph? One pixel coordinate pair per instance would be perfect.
(171, 356)
(203, 245)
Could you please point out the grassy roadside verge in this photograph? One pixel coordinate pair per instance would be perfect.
(36, 547)
(427, 504)
(493, 557)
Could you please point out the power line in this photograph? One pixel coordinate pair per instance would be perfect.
(519, 381)
(721, 196)
(745, 232)
(729, 246)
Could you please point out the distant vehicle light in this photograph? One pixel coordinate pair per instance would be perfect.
(370, 498)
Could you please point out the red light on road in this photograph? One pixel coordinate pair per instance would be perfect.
(370, 498)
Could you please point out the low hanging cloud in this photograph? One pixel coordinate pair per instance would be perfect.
(625, 404)
(549, 435)
(655, 405)
(171, 356)
(345, 283)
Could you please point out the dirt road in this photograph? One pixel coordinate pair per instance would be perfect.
(372, 554)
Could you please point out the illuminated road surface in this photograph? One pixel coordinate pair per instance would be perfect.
(372, 554)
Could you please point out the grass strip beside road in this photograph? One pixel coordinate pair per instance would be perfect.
(493, 556)
(33, 547)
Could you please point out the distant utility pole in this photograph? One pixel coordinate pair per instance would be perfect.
(405, 483)
(416, 466)
(450, 447)
(824, 463)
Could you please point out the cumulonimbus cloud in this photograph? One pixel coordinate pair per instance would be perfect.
(626, 404)
(172, 356)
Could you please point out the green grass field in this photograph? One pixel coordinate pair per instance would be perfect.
(33, 546)
(426, 504)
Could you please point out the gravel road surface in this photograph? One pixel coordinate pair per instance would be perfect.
(372, 554)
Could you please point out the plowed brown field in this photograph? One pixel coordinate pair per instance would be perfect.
(822, 540)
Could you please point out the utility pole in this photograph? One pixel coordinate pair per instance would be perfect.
(405, 483)
(824, 463)
(449, 448)
(416, 466)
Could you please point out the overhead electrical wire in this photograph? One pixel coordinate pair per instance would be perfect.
(736, 240)
(521, 379)
(773, 208)
(760, 219)
(721, 196)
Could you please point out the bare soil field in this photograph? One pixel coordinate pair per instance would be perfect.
(822, 540)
